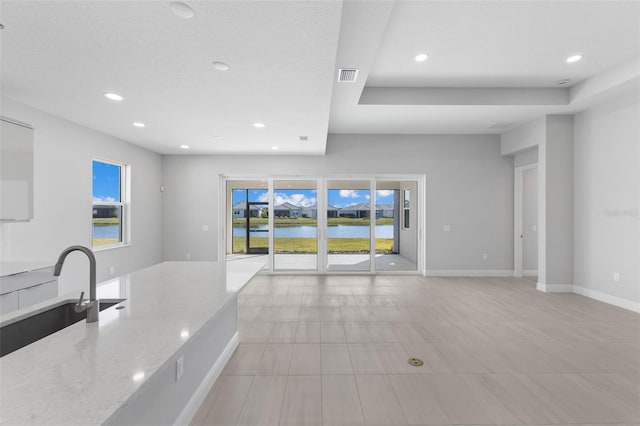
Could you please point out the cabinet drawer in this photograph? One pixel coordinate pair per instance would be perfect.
(15, 282)
(9, 302)
(36, 294)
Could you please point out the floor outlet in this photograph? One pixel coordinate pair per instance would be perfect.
(179, 367)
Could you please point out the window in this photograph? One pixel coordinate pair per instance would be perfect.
(109, 204)
(406, 208)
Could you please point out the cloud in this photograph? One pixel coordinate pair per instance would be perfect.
(384, 192)
(349, 193)
(105, 199)
(368, 197)
(299, 200)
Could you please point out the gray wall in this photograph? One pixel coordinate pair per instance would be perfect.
(63, 154)
(606, 197)
(469, 186)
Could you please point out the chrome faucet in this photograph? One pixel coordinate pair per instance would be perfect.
(91, 306)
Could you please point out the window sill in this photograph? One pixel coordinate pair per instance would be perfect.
(111, 247)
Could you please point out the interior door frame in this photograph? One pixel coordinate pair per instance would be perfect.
(518, 218)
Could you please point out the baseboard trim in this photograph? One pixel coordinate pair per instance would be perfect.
(205, 386)
(469, 273)
(555, 288)
(607, 298)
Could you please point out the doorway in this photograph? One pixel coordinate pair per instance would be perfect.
(526, 221)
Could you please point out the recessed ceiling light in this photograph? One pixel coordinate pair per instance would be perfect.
(113, 96)
(182, 10)
(138, 376)
(138, 124)
(563, 82)
(573, 58)
(259, 125)
(220, 66)
(184, 146)
(421, 57)
(275, 148)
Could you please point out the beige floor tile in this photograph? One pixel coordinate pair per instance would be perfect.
(340, 401)
(263, 404)
(227, 398)
(267, 314)
(310, 314)
(357, 332)
(258, 332)
(275, 360)
(466, 400)
(330, 314)
(418, 400)
(335, 359)
(288, 313)
(245, 360)
(395, 359)
(364, 359)
(308, 332)
(332, 332)
(283, 332)
(381, 332)
(380, 404)
(305, 359)
(350, 314)
(302, 404)
(405, 332)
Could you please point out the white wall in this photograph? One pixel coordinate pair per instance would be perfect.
(606, 198)
(527, 157)
(469, 187)
(63, 154)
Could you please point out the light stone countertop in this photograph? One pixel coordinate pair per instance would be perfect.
(85, 372)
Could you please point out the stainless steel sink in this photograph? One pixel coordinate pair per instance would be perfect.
(31, 329)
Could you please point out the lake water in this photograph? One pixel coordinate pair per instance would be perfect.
(106, 231)
(338, 231)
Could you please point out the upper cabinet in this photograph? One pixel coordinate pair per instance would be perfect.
(16, 171)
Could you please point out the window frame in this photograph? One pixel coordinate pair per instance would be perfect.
(406, 208)
(124, 204)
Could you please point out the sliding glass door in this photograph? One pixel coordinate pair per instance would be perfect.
(295, 225)
(348, 225)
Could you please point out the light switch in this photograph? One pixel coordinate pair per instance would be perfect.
(447, 228)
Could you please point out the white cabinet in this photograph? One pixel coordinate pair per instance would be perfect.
(16, 171)
(33, 283)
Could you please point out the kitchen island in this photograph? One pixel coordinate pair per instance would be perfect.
(124, 368)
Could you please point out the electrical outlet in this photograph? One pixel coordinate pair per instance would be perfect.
(112, 270)
(188, 256)
(447, 228)
(179, 367)
(205, 228)
(485, 256)
(616, 277)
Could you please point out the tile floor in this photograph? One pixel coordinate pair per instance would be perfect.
(333, 350)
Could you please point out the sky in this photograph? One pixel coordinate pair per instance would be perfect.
(308, 197)
(106, 181)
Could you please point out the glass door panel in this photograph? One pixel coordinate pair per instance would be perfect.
(348, 225)
(250, 222)
(396, 234)
(295, 221)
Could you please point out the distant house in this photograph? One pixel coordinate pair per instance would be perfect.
(356, 211)
(312, 211)
(240, 208)
(287, 210)
(384, 210)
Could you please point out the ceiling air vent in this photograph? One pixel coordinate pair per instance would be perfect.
(304, 138)
(347, 75)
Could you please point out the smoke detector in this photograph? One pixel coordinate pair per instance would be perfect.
(347, 75)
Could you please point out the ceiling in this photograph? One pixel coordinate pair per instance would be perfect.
(491, 66)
